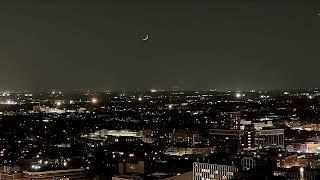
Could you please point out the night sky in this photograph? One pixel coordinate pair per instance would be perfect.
(240, 44)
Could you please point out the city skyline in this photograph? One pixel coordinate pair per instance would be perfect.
(171, 90)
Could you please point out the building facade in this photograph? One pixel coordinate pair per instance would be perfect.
(190, 138)
(248, 163)
(77, 174)
(259, 139)
(230, 120)
(205, 171)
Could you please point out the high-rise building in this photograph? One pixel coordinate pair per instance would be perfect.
(248, 139)
(231, 120)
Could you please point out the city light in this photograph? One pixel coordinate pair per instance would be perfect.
(238, 95)
(129, 122)
(94, 100)
(35, 166)
(176, 90)
(58, 103)
(301, 172)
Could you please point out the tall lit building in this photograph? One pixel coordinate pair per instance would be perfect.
(231, 120)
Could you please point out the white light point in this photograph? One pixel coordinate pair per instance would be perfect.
(94, 100)
(238, 95)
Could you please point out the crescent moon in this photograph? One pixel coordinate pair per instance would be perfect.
(146, 38)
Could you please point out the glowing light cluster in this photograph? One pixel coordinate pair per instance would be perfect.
(58, 103)
(94, 100)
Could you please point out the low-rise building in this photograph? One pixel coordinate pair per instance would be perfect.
(213, 171)
(190, 138)
(65, 174)
(248, 163)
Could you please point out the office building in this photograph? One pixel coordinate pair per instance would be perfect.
(259, 139)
